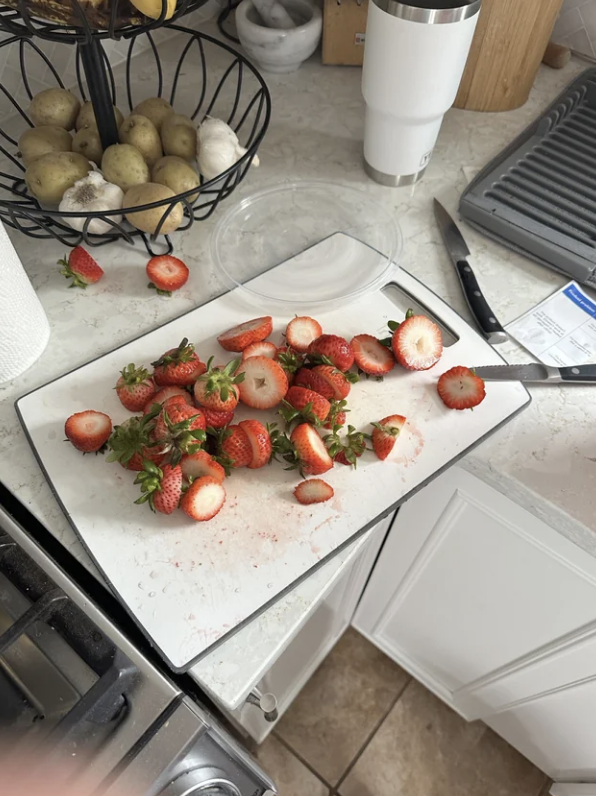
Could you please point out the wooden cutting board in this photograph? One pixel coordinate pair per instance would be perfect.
(188, 585)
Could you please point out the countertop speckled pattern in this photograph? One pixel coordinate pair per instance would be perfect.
(545, 459)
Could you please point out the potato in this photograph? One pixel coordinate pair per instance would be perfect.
(87, 142)
(179, 136)
(153, 8)
(124, 166)
(177, 174)
(155, 109)
(50, 175)
(142, 134)
(56, 107)
(148, 220)
(86, 117)
(39, 141)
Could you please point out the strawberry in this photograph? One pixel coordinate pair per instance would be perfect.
(300, 333)
(315, 490)
(262, 349)
(81, 268)
(135, 388)
(264, 382)
(161, 396)
(417, 342)
(305, 403)
(312, 455)
(215, 419)
(338, 382)
(166, 273)
(314, 381)
(196, 465)
(175, 400)
(203, 499)
(260, 442)
(88, 431)
(371, 356)
(337, 415)
(236, 447)
(218, 387)
(161, 488)
(347, 452)
(178, 366)
(461, 388)
(240, 337)
(290, 360)
(385, 434)
(330, 349)
(179, 429)
(130, 443)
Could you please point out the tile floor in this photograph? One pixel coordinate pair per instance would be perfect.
(363, 727)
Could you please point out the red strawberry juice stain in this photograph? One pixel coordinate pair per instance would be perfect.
(415, 444)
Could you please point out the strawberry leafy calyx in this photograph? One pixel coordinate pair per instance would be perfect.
(159, 290)
(336, 408)
(132, 374)
(221, 380)
(132, 436)
(150, 478)
(184, 353)
(290, 414)
(353, 447)
(180, 439)
(66, 270)
(394, 326)
(389, 431)
(290, 360)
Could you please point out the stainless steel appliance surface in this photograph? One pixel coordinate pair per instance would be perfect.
(75, 685)
(535, 372)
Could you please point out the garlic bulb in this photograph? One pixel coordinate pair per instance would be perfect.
(92, 194)
(218, 148)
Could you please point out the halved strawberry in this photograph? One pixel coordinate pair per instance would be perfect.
(315, 490)
(218, 388)
(461, 388)
(161, 487)
(89, 430)
(166, 273)
(314, 381)
(260, 442)
(385, 434)
(338, 382)
(313, 457)
(305, 403)
(215, 419)
(301, 331)
(240, 337)
(179, 429)
(161, 396)
(346, 450)
(417, 343)
(135, 387)
(130, 443)
(330, 349)
(196, 465)
(264, 382)
(262, 349)
(179, 366)
(203, 499)
(236, 447)
(81, 268)
(370, 356)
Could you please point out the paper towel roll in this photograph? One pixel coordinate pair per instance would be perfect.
(24, 327)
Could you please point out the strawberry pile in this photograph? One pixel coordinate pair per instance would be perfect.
(183, 442)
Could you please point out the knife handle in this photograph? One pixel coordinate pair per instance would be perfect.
(490, 327)
(579, 373)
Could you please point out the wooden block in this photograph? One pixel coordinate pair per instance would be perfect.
(344, 27)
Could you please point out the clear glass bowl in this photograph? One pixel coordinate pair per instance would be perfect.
(320, 227)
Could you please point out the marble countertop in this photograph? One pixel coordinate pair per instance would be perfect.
(545, 458)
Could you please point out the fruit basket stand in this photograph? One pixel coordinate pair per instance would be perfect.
(210, 77)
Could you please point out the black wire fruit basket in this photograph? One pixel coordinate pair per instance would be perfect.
(208, 78)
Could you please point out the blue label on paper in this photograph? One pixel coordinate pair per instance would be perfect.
(572, 292)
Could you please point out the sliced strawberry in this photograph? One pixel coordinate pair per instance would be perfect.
(370, 356)
(166, 273)
(89, 430)
(240, 337)
(417, 343)
(312, 455)
(314, 381)
(385, 434)
(196, 465)
(338, 382)
(161, 487)
(301, 332)
(81, 268)
(262, 349)
(461, 388)
(330, 349)
(264, 383)
(130, 443)
(215, 419)
(179, 366)
(218, 388)
(258, 436)
(236, 447)
(135, 388)
(315, 490)
(161, 396)
(346, 450)
(305, 403)
(203, 499)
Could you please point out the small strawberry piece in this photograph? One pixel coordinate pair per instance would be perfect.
(312, 454)
(417, 343)
(370, 356)
(161, 396)
(215, 419)
(347, 450)
(130, 443)
(196, 465)
(135, 388)
(336, 381)
(461, 388)
(314, 381)
(81, 268)
(178, 366)
(262, 349)
(308, 404)
(315, 490)
(241, 336)
(236, 447)
(330, 349)
(301, 332)
(89, 430)
(264, 383)
(166, 273)
(385, 434)
(203, 499)
(218, 388)
(258, 436)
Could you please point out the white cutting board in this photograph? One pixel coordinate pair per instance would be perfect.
(190, 584)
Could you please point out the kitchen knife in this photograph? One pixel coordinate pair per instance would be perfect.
(580, 374)
(485, 318)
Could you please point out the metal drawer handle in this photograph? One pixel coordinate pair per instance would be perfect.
(265, 702)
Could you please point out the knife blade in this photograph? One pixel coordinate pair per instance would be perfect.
(489, 326)
(580, 374)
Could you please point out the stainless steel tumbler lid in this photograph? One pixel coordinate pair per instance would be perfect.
(430, 12)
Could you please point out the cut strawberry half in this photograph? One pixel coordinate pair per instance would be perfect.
(258, 436)
(315, 381)
(301, 331)
(385, 434)
(315, 490)
(166, 273)
(337, 382)
(417, 343)
(240, 337)
(370, 356)
(89, 430)
(461, 388)
(264, 383)
(81, 268)
(300, 402)
(203, 499)
(313, 457)
(196, 465)
(261, 349)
